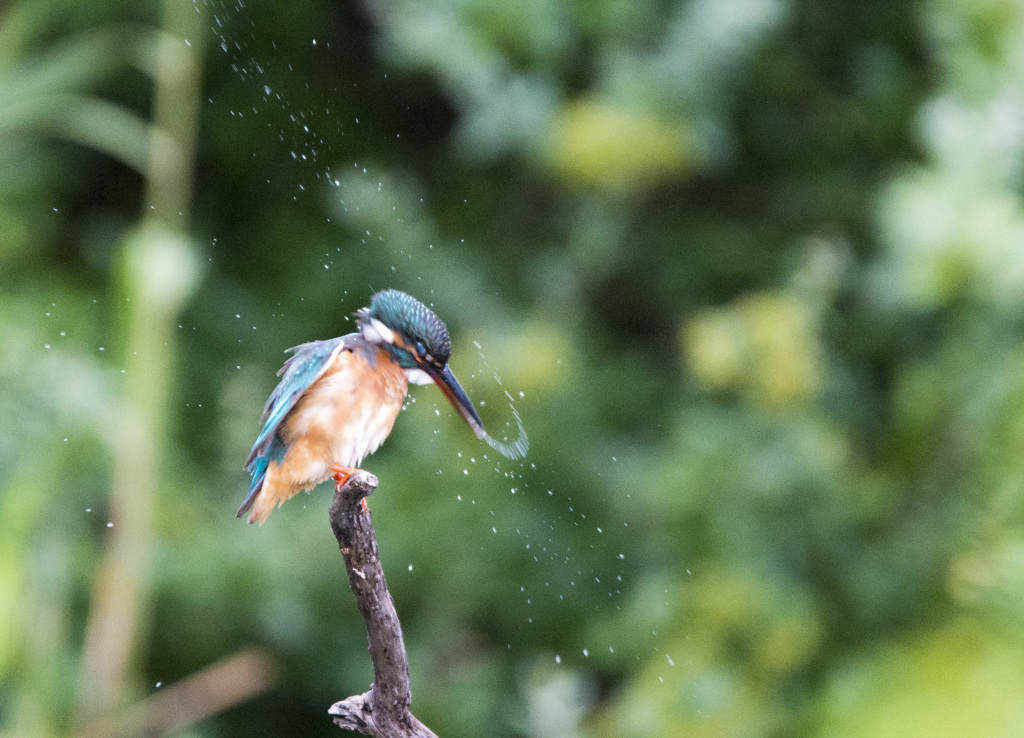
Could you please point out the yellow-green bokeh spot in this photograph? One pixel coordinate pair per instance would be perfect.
(727, 658)
(597, 144)
(960, 680)
(537, 355)
(764, 345)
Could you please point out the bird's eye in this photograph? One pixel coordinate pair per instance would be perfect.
(421, 350)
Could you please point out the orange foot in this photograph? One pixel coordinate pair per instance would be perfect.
(341, 475)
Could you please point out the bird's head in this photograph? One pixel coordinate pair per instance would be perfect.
(418, 340)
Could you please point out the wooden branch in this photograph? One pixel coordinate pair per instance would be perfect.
(383, 711)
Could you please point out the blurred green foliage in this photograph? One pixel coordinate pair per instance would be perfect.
(752, 272)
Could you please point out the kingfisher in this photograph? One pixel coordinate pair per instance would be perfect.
(338, 399)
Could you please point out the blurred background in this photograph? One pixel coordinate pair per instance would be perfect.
(750, 271)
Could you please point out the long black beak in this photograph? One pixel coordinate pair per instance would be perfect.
(457, 396)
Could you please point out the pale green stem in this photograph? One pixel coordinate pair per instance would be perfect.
(158, 271)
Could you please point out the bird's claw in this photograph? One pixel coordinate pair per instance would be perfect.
(341, 475)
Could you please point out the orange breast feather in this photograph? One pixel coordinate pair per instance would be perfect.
(340, 419)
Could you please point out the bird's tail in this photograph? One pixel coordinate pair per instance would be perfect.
(258, 468)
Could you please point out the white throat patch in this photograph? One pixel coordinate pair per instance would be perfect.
(418, 376)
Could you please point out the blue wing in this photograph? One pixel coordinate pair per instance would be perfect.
(307, 363)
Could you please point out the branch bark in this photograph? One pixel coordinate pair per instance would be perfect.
(383, 711)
